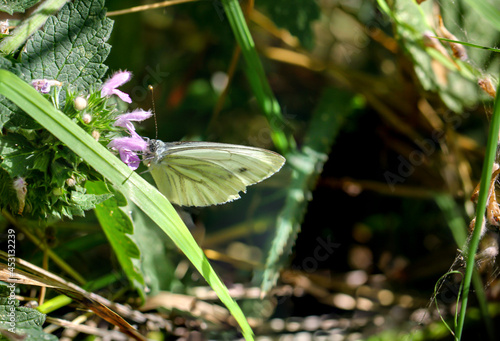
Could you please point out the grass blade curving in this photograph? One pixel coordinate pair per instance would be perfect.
(144, 195)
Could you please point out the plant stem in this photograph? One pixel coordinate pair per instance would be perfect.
(491, 150)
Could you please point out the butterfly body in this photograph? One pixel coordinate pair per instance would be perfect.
(208, 173)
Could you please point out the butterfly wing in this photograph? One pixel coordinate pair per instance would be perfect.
(207, 173)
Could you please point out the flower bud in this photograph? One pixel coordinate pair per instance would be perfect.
(86, 118)
(57, 191)
(96, 135)
(70, 182)
(80, 103)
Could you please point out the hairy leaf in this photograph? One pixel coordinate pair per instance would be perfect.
(11, 6)
(158, 253)
(117, 225)
(14, 150)
(88, 201)
(20, 320)
(72, 46)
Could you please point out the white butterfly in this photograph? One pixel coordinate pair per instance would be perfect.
(208, 173)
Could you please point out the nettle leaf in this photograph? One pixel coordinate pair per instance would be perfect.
(72, 46)
(11, 6)
(88, 201)
(296, 16)
(21, 320)
(158, 252)
(14, 119)
(17, 153)
(116, 224)
(11, 117)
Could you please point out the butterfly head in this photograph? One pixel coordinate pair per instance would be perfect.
(152, 146)
(151, 153)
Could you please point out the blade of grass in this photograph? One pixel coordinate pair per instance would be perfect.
(257, 77)
(469, 44)
(487, 11)
(457, 225)
(22, 32)
(489, 159)
(134, 187)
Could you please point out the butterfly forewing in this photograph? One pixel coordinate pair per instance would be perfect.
(206, 173)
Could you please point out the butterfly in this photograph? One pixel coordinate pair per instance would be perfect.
(208, 173)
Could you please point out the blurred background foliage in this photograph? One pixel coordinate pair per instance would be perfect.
(417, 128)
(381, 223)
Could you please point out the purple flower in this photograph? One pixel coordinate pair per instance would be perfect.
(125, 120)
(118, 79)
(130, 143)
(127, 146)
(43, 85)
(130, 158)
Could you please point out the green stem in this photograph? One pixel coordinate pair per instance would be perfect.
(257, 77)
(490, 156)
(457, 225)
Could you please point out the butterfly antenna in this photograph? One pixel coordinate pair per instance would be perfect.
(150, 87)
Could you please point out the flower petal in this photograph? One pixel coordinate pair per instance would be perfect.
(43, 85)
(135, 143)
(123, 96)
(118, 79)
(136, 115)
(130, 158)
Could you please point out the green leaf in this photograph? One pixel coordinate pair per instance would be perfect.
(471, 45)
(11, 6)
(158, 254)
(89, 201)
(145, 196)
(72, 46)
(329, 117)
(23, 31)
(10, 116)
(20, 320)
(116, 224)
(14, 149)
(257, 77)
(296, 16)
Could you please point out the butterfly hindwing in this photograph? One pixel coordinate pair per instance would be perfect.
(205, 173)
